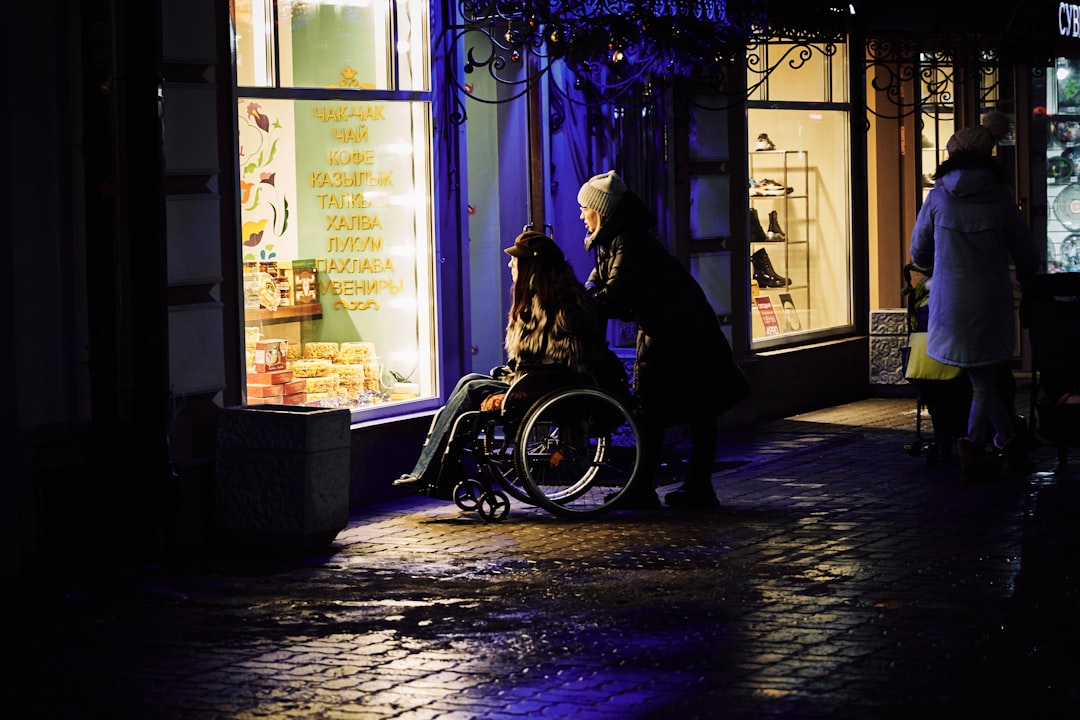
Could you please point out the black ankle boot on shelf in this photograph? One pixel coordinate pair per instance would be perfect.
(775, 233)
(764, 273)
(757, 233)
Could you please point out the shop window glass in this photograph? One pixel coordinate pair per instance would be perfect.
(329, 44)
(799, 165)
(1063, 166)
(337, 233)
(799, 72)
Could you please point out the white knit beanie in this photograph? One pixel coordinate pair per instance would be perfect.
(602, 192)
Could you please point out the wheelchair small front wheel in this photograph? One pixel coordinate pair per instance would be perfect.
(498, 462)
(493, 506)
(467, 494)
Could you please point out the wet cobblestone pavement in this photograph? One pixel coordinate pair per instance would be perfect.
(842, 578)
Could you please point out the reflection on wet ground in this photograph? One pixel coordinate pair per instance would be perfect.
(842, 578)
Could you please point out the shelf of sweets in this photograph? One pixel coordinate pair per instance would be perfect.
(285, 312)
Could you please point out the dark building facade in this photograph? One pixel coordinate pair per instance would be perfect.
(128, 211)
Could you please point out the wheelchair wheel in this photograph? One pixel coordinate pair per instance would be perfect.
(576, 452)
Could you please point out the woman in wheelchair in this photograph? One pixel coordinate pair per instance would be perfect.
(552, 321)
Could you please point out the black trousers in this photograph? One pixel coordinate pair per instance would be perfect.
(703, 445)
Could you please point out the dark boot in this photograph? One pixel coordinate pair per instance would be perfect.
(973, 465)
(775, 233)
(693, 497)
(757, 233)
(641, 495)
(1015, 460)
(697, 492)
(764, 273)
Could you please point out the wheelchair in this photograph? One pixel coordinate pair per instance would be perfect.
(559, 442)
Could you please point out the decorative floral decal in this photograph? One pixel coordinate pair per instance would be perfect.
(252, 232)
(266, 211)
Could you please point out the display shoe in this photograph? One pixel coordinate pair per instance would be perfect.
(764, 143)
(757, 233)
(775, 232)
(764, 273)
(692, 499)
(768, 188)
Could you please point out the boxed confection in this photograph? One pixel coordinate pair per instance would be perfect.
(270, 355)
(251, 287)
(309, 368)
(356, 352)
(294, 386)
(321, 351)
(274, 377)
(303, 281)
(264, 391)
(295, 399)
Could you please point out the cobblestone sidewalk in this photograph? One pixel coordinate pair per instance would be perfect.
(842, 578)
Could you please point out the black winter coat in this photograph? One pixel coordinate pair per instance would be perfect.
(684, 367)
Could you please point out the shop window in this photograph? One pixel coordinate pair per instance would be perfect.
(350, 44)
(799, 169)
(1063, 167)
(937, 93)
(337, 233)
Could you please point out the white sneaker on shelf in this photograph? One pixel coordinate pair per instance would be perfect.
(769, 187)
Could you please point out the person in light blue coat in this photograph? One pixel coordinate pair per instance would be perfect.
(968, 235)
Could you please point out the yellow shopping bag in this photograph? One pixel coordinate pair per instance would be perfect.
(921, 366)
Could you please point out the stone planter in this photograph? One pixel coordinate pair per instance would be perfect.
(282, 475)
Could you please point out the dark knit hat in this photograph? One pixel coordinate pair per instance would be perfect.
(602, 192)
(998, 123)
(971, 141)
(533, 244)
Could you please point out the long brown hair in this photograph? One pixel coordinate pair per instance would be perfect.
(537, 282)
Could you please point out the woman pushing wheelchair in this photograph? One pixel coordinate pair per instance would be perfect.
(552, 321)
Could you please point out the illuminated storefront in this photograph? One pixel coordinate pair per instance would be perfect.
(799, 168)
(334, 116)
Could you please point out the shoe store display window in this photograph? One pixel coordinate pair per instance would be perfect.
(799, 169)
(337, 235)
